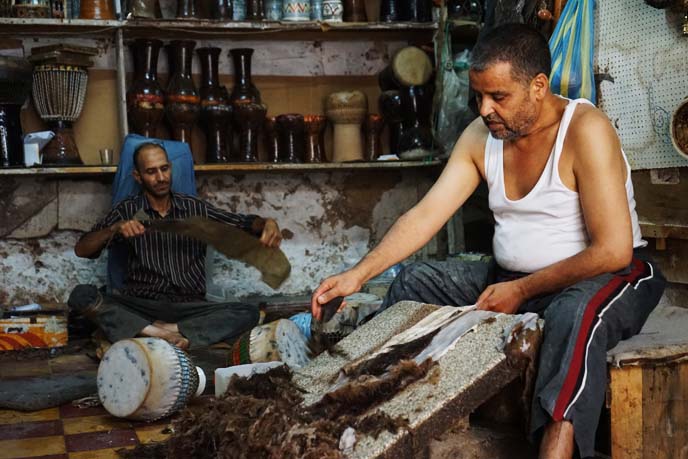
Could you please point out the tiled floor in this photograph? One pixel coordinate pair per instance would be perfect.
(67, 431)
(71, 432)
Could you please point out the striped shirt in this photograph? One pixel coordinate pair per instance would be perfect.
(167, 266)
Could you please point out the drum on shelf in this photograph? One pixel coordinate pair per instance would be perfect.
(280, 340)
(59, 92)
(60, 80)
(147, 379)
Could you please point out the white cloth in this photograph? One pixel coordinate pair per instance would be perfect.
(546, 225)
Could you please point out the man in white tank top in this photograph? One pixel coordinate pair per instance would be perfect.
(567, 243)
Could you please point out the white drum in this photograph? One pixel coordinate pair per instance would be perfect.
(278, 341)
(147, 379)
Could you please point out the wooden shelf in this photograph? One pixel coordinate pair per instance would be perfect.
(663, 230)
(74, 171)
(205, 28)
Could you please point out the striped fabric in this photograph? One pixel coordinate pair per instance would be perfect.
(166, 266)
(572, 48)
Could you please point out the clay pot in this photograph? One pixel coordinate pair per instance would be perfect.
(216, 113)
(354, 11)
(295, 11)
(416, 141)
(222, 10)
(96, 9)
(373, 129)
(243, 89)
(248, 118)
(182, 102)
(273, 10)
(186, 9)
(390, 107)
(389, 11)
(372, 9)
(416, 10)
(239, 10)
(346, 111)
(316, 10)
(255, 10)
(271, 139)
(315, 138)
(145, 99)
(290, 132)
(333, 11)
(144, 8)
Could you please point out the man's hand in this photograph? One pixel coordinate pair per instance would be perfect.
(271, 235)
(343, 284)
(128, 228)
(503, 297)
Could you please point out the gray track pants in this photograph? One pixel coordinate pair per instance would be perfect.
(582, 323)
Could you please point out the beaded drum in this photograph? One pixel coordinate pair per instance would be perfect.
(280, 340)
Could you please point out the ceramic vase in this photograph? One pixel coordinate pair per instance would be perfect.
(291, 135)
(248, 118)
(315, 138)
(145, 98)
(390, 108)
(354, 11)
(373, 129)
(416, 10)
(372, 8)
(186, 9)
(416, 141)
(273, 10)
(216, 113)
(333, 11)
(243, 89)
(317, 10)
(255, 10)
(296, 10)
(389, 11)
(271, 139)
(182, 102)
(222, 10)
(239, 10)
(96, 9)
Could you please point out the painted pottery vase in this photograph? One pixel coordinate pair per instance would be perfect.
(354, 11)
(222, 9)
(347, 110)
(373, 129)
(389, 11)
(31, 9)
(249, 117)
(273, 10)
(243, 89)
(182, 102)
(271, 140)
(317, 10)
(239, 10)
(416, 141)
(96, 9)
(296, 10)
(315, 138)
(390, 108)
(333, 11)
(255, 10)
(186, 9)
(145, 98)
(372, 8)
(216, 112)
(291, 135)
(15, 88)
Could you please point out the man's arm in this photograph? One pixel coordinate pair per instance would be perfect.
(600, 175)
(414, 229)
(91, 244)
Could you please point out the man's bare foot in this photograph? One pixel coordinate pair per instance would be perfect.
(167, 326)
(174, 338)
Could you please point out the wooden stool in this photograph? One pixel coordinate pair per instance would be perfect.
(648, 392)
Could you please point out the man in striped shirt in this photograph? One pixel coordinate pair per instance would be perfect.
(164, 292)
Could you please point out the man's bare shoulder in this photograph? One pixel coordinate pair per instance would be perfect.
(472, 141)
(591, 132)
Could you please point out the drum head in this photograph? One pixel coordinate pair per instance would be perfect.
(291, 344)
(124, 378)
(412, 66)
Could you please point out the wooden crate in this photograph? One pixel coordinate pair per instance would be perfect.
(648, 391)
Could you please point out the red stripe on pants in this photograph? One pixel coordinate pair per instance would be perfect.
(603, 296)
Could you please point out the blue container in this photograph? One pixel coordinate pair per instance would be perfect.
(317, 10)
(239, 10)
(273, 10)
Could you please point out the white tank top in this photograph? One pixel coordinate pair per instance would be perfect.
(546, 225)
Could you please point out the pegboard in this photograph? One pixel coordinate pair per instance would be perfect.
(643, 54)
